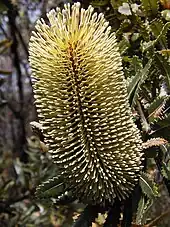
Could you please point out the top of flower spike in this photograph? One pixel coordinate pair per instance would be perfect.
(73, 24)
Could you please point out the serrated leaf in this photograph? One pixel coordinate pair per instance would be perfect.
(165, 149)
(162, 128)
(164, 123)
(164, 67)
(51, 188)
(156, 28)
(166, 170)
(147, 186)
(148, 205)
(123, 45)
(136, 66)
(156, 104)
(147, 45)
(137, 63)
(123, 26)
(156, 108)
(150, 6)
(154, 142)
(140, 210)
(137, 81)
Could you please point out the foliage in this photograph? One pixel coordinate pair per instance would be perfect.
(142, 30)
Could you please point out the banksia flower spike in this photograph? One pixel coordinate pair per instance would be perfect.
(82, 104)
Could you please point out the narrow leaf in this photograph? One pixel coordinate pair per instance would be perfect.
(148, 205)
(147, 186)
(51, 188)
(166, 170)
(154, 142)
(137, 81)
(156, 108)
(156, 27)
(123, 45)
(140, 210)
(147, 45)
(150, 6)
(164, 67)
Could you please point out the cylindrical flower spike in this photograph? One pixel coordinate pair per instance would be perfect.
(82, 103)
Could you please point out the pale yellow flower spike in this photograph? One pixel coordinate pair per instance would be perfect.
(82, 104)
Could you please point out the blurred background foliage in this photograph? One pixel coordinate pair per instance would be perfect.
(142, 30)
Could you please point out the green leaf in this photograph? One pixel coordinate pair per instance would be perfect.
(124, 24)
(140, 211)
(165, 122)
(137, 81)
(148, 205)
(123, 45)
(156, 28)
(147, 45)
(166, 170)
(150, 6)
(147, 186)
(163, 66)
(149, 189)
(156, 108)
(163, 127)
(51, 188)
